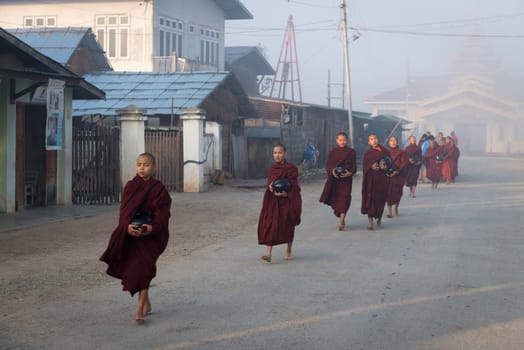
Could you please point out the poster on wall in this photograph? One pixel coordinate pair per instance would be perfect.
(55, 114)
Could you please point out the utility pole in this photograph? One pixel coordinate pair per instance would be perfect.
(346, 66)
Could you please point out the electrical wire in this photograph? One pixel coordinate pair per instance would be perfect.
(462, 35)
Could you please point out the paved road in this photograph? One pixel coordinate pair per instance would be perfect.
(446, 274)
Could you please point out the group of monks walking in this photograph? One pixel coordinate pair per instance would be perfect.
(385, 172)
(143, 227)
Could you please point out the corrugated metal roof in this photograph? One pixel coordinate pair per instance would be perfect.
(37, 66)
(158, 93)
(234, 9)
(248, 55)
(61, 43)
(57, 43)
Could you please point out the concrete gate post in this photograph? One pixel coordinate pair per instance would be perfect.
(132, 140)
(193, 131)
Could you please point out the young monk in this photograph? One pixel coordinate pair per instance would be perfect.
(433, 163)
(449, 163)
(414, 157)
(337, 189)
(397, 178)
(280, 211)
(133, 250)
(374, 182)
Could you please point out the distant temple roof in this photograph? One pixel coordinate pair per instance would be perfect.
(422, 88)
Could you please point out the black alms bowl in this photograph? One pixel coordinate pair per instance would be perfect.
(281, 185)
(339, 171)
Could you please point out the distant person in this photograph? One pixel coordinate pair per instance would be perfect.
(281, 209)
(396, 177)
(134, 246)
(339, 184)
(449, 162)
(433, 158)
(414, 157)
(454, 138)
(424, 144)
(374, 182)
(440, 139)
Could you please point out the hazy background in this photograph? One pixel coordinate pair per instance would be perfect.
(380, 59)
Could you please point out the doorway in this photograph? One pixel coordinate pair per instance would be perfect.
(35, 167)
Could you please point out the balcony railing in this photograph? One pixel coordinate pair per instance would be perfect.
(177, 64)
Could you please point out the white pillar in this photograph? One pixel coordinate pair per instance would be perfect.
(193, 131)
(216, 129)
(64, 173)
(132, 140)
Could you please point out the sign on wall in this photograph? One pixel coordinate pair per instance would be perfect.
(55, 114)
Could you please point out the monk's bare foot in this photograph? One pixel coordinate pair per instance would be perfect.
(147, 310)
(396, 211)
(139, 317)
(288, 257)
(379, 224)
(266, 258)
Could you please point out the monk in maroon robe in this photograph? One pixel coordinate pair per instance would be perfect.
(397, 177)
(433, 159)
(133, 249)
(338, 187)
(280, 210)
(414, 157)
(449, 163)
(374, 182)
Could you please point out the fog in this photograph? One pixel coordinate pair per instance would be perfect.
(396, 40)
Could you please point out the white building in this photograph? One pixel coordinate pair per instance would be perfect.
(147, 35)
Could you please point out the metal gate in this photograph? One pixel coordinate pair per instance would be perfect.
(96, 164)
(166, 145)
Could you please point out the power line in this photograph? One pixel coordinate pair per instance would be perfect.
(312, 5)
(461, 35)
(475, 20)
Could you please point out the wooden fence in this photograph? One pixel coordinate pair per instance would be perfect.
(166, 145)
(96, 164)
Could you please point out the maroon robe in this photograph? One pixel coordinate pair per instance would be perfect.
(133, 259)
(433, 167)
(280, 215)
(374, 183)
(449, 164)
(413, 169)
(396, 183)
(337, 191)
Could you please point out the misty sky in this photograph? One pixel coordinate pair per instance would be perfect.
(379, 60)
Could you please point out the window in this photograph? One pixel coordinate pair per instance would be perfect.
(112, 33)
(170, 37)
(39, 22)
(209, 46)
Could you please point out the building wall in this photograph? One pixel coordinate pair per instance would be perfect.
(85, 13)
(137, 23)
(209, 22)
